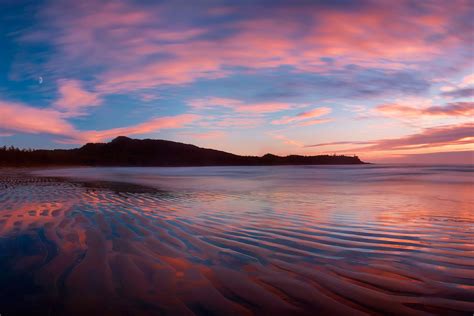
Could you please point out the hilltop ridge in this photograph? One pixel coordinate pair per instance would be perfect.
(125, 151)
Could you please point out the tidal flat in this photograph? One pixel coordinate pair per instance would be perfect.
(305, 240)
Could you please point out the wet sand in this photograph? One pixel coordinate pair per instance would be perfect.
(89, 247)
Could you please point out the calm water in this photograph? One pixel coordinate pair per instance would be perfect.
(342, 240)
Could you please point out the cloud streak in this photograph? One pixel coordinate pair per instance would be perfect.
(434, 137)
(305, 116)
(21, 118)
(463, 109)
(240, 106)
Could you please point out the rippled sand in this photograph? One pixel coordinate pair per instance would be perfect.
(73, 247)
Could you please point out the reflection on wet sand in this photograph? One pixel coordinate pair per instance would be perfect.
(72, 248)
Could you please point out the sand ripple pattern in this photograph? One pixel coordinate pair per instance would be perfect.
(70, 248)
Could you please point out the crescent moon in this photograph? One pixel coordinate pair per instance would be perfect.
(40, 80)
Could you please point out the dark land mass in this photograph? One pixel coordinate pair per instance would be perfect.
(124, 151)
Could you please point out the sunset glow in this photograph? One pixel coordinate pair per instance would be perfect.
(246, 157)
(386, 80)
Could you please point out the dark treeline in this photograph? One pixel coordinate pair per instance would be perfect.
(124, 151)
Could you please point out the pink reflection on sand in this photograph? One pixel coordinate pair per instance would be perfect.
(266, 251)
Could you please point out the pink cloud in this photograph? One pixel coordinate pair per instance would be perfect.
(366, 37)
(89, 29)
(467, 81)
(304, 116)
(448, 135)
(263, 107)
(240, 106)
(465, 109)
(430, 137)
(462, 89)
(173, 71)
(315, 122)
(17, 117)
(139, 39)
(342, 143)
(74, 99)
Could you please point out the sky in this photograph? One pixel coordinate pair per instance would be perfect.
(390, 81)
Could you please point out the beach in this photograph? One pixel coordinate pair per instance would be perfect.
(282, 240)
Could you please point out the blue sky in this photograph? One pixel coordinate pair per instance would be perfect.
(388, 80)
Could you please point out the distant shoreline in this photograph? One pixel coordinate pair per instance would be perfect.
(127, 152)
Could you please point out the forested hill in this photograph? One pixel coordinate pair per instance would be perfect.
(124, 151)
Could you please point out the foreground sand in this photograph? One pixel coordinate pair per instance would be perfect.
(104, 248)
